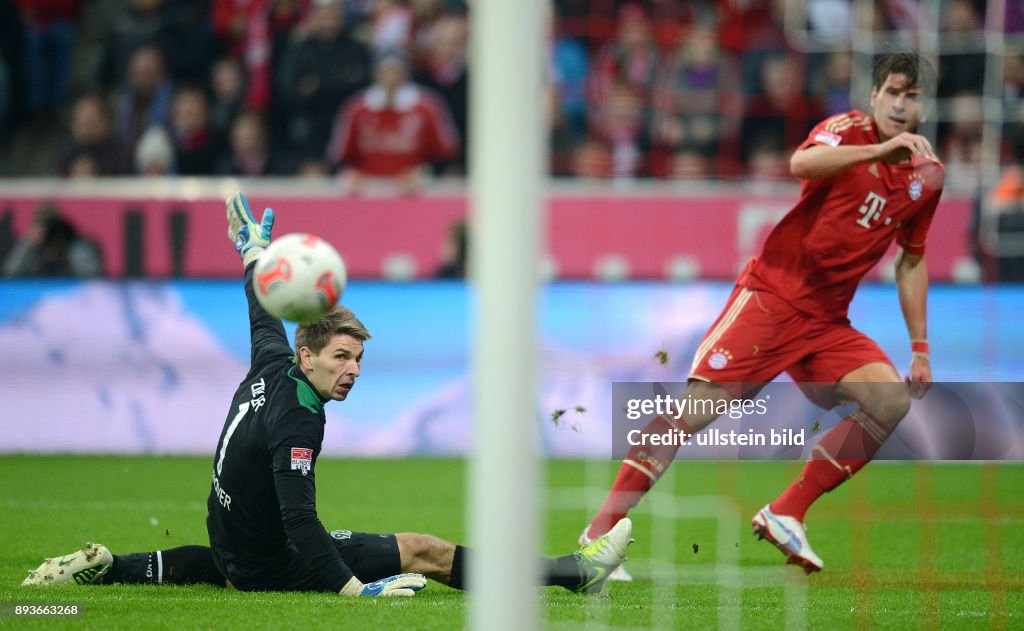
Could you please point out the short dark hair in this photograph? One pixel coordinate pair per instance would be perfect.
(316, 334)
(917, 69)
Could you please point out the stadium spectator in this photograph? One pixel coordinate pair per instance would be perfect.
(621, 126)
(82, 164)
(391, 23)
(838, 75)
(830, 21)
(690, 164)
(998, 225)
(788, 309)
(631, 59)
(783, 111)
(1013, 81)
(1013, 18)
(960, 142)
(695, 104)
(284, 22)
(898, 19)
(741, 23)
(961, 29)
(227, 90)
(194, 141)
(249, 151)
(393, 129)
(591, 159)
(229, 24)
(177, 28)
(425, 13)
(313, 169)
(318, 72)
(53, 247)
(455, 257)
(91, 149)
(254, 32)
(767, 160)
(5, 93)
(761, 27)
(154, 154)
(12, 53)
(144, 102)
(568, 66)
(50, 31)
(232, 23)
(591, 28)
(262, 519)
(444, 70)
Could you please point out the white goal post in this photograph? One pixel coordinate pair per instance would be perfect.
(507, 160)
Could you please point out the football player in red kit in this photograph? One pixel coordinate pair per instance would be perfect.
(867, 180)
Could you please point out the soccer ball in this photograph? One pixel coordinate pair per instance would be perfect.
(300, 278)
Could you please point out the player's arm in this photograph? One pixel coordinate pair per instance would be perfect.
(266, 333)
(296, 492)
(823, 160)
(912, 285)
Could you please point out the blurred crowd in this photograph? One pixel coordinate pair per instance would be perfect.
(362, 89)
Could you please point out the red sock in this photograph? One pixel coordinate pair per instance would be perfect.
(843, 451)
(642, 467)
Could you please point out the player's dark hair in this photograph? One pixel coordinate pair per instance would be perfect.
(316, 334)
(917, 69)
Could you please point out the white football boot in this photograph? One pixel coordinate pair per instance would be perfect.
(619, 573)
(789, 535)
(599, 558)
(85, 566)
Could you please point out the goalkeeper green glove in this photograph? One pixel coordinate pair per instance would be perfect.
(249, 236)
(399, 585)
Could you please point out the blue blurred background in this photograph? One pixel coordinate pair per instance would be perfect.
(147, 366)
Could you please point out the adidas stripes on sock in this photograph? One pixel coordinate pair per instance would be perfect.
(643, 465)
(840, 453)
(176, 566)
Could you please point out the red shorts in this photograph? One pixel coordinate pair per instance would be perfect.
(759, 335)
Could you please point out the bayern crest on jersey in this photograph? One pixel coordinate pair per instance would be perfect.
(916, 187)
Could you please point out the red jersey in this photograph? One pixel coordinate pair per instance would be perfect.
(842, 225)
(385, 139)
(45, 12)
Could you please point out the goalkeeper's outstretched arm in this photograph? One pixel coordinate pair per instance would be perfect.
(266, 333)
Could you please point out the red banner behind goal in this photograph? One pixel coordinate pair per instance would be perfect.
(609, 236)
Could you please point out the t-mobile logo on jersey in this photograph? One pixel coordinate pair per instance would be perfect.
(871, 210)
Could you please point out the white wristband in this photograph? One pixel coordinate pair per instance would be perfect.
(353, 587)
(251, 255)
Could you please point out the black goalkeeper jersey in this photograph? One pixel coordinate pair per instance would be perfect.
(264, 492)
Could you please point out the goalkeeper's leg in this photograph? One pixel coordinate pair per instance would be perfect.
(185, 565)
(446, 562)
(94, 564)
(372, 557)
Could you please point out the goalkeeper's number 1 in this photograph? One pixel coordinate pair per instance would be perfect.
(242, 409)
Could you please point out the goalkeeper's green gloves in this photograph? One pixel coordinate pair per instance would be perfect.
(399, 585)
(249, 236)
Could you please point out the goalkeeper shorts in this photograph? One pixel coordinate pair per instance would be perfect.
(370, 557)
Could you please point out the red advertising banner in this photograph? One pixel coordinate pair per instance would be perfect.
(612, 235)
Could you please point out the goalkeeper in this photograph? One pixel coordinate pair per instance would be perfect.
(262, 518)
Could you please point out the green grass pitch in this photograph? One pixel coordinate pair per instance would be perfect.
(905, 545)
